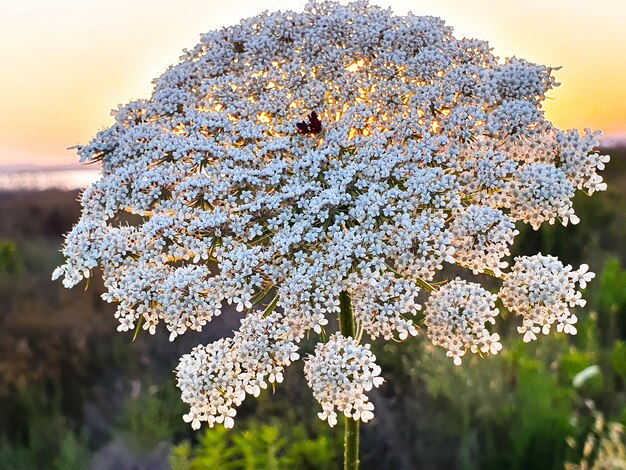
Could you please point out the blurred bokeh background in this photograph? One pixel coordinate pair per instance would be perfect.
(75, 393)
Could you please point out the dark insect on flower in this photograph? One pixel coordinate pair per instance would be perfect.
(239, 47)
(314, 126)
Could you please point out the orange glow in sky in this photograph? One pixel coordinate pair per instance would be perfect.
(66, 63)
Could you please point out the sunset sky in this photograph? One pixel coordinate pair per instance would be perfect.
(67, 63)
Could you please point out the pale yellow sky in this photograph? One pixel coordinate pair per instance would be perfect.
(66, 63)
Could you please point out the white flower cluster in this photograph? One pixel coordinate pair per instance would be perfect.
(541, 192)
(296, 156)
(578, 160)
(384, 305)
(214, 379)
(542, 291)
(481, 237)
(456, 317)
(339, 373)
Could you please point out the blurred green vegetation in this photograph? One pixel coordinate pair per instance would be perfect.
(76, 394)
(276, 445)
(10, 261)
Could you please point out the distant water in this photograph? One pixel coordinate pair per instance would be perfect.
(40, 179)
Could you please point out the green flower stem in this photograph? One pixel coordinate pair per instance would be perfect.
(271, 307)
(351, 433)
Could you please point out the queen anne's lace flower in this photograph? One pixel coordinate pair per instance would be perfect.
(339, 373)
(456, 317)
(296, 156)
(542, 291)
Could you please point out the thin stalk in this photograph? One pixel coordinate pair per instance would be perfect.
(271, 307)
(351, 426)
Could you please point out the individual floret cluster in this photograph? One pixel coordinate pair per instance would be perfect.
(540, 193)
(385, 305)
(578, 160)
(542, 291)
(481, 238)
(339, 373)
(457, 316)
(215, 379)
(299, 157)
